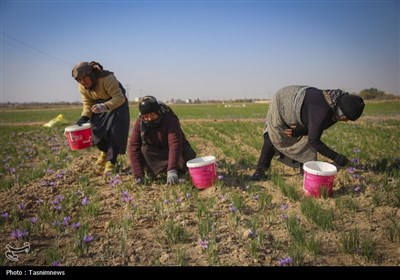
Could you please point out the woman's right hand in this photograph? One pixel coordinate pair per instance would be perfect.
(82, 120)
(289, 131)
(341, 160)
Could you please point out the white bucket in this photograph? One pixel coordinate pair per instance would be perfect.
(79, 137)
(203, 171)
(317, 175)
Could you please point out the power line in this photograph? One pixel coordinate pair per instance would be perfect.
(36, 49)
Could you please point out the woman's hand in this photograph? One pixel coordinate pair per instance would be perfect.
(99, 108)
(289, 131)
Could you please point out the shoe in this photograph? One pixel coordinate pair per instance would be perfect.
(258, 175)
(101, 160)
(109, 168)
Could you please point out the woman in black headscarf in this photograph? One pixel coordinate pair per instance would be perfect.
(296, 119)
(157, 143)
(106, 107)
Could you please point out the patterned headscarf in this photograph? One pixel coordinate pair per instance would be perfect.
(332, 97)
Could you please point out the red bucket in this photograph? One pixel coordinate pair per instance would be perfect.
(203, 171)
(318, 175)
(79, 137)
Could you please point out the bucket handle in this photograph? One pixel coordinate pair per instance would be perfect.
(69, 136)
(88, 141)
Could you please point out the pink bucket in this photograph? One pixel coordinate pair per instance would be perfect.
(318, 175)
(79, 137)
(203, 171)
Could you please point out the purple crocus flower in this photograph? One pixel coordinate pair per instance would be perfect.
(285, 261)
(66, 220)
(60, 174)
(114, 181)
(56, 263)
(351, 170)
(125, 193)
(232, 207)
(220, 177)
(76, 225)
(5, 215)
(255, 197)
(88, 238)
(204, 244)
(17, 234)
(357, 189)
(85, 201)
(284, 216)
(284, 206)
(355, 161)
(127, 199)
(33, 220)
(12, 170)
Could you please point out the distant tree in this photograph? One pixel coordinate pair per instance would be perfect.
(372, 93)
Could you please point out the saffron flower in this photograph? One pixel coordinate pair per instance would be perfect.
(204, 244)
(284, 216)
(66, 220)
(351, 170)
(285, 261)
(88, 238)
(232, 207)
(5, 215)
(76, 225)
(85, 201)
(17, 234)
(284, 206)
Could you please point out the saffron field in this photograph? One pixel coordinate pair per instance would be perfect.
(57, 201)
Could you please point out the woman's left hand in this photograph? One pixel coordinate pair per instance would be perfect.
(99, 108)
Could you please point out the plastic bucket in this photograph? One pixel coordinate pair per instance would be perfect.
(318, 175)
(79, 137)
(203, 171)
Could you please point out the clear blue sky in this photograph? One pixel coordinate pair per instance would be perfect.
(199, 49)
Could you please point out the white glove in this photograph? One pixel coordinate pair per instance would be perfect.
(99, 108)
(172, 177)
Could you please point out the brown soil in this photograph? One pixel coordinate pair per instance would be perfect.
(135, 233)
